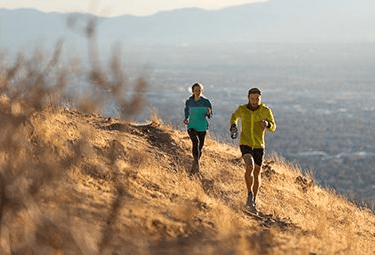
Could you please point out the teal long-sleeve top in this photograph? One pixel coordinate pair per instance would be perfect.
(196, 112)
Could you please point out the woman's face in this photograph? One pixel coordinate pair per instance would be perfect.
(197, 91)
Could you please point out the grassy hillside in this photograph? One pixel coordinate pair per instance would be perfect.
(75, 182)
(78, 183)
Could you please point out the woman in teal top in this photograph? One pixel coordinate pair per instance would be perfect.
(197, 110)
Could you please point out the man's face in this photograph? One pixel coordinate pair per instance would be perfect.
(255, 100)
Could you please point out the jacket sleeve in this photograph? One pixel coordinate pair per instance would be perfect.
(271, 120)
(187, 109)
(209, 104)
(235, 116)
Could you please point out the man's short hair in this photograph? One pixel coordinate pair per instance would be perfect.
(254, 91)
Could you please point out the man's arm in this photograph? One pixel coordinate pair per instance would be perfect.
(271, 124)
(234, 117)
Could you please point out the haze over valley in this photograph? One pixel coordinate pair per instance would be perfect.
(314, 62)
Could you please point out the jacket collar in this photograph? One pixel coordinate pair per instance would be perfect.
(248, 106)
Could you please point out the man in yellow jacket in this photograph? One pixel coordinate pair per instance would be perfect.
(256, 118)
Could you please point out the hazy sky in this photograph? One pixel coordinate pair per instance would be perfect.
(119, 7)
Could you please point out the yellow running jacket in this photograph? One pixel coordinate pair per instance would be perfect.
(252, 133)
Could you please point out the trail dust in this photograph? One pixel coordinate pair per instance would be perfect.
(100, 185)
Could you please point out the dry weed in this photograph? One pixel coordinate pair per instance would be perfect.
(75, 182)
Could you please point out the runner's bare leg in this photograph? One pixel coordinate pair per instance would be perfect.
(256, 180)
(249, 167)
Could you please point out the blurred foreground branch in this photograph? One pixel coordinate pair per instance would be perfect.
(28, 163)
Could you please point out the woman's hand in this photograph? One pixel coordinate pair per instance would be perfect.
(209, 112)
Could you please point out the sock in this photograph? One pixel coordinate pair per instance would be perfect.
(249, 194)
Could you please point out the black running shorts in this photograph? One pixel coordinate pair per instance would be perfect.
(257, 153)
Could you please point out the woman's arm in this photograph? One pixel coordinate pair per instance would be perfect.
(186, 111)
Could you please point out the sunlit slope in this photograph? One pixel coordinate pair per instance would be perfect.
(105, 186)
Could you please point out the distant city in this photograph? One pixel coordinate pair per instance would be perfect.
(315, 65)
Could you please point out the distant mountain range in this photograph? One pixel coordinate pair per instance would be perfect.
(271, 21)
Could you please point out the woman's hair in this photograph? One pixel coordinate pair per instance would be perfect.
(196, 84)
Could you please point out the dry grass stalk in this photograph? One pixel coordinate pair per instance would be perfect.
(74, 182)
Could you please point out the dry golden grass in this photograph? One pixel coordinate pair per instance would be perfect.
(108, 186)
(74, 182)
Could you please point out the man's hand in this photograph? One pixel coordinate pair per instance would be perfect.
(233, 128)
(264, 124)
(186, 121)
(233, 131)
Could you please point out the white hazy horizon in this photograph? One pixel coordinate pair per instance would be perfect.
(112, 8)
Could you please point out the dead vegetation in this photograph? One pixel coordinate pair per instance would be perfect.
(84, 187)
(75, 182)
